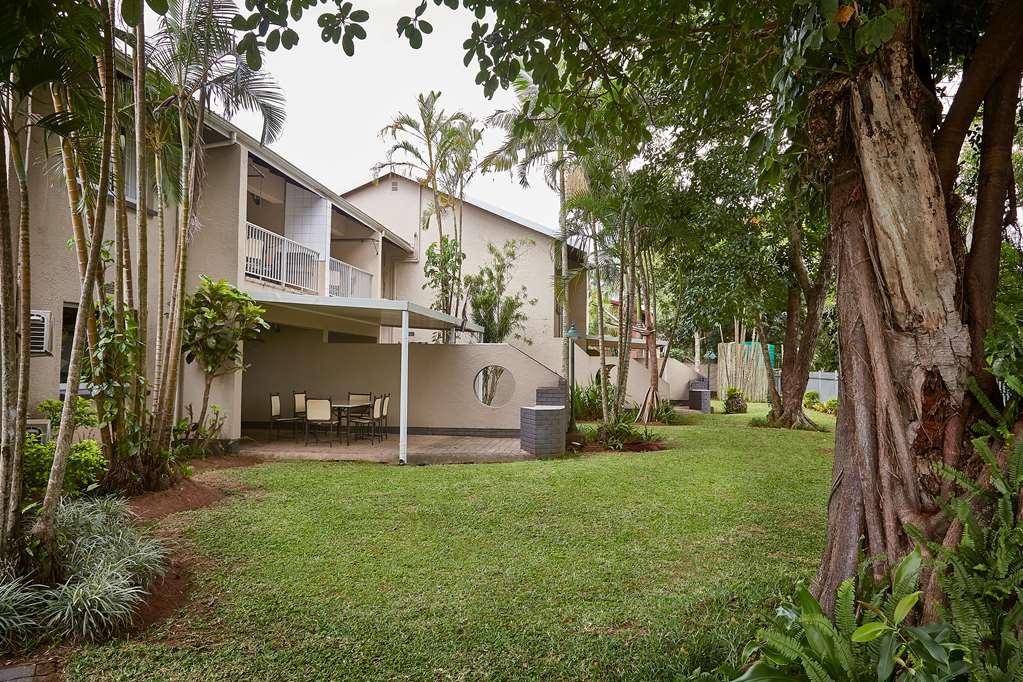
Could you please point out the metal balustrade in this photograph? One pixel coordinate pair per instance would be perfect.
(348, 280)
(274, 258)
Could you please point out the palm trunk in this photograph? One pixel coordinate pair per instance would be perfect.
(566, 342)
(159, 343)
(43, 528)
(141, 216)
(74, 197)
(20, 158)
(8, 355)
(601, 332)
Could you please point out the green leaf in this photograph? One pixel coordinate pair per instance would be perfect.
(828, 9)
(905, 605)
(253, 59)
(359, 15)
(273, 40)
(415, 38)
(130, 11)
(425, 26)
(868, 632)
(158, 6)
(348, 44)
(762, 672)
(886, 658)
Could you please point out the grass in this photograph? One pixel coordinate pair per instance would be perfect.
(622, 566)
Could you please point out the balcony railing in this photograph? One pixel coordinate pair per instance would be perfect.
(273, 258)
(348, 280)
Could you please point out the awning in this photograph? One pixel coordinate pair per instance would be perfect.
(367, 311)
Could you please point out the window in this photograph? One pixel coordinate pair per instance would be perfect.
(394, 185)
(67, 336)
(39, 332)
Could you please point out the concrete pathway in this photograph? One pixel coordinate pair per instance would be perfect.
(422, 449)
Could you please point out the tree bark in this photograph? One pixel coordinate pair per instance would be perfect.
(904, 350)
(993, 182)
(8, 359)
(141, 216)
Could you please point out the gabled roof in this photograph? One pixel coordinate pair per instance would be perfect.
(478, 203)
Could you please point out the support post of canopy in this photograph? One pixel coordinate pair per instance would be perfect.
(403, 397)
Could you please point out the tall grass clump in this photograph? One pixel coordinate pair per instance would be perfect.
(104, 563)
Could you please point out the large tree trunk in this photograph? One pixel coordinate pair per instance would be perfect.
(905, 352)
(8, 358)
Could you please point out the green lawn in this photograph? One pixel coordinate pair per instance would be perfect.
(620, 566)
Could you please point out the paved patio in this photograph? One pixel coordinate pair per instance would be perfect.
(421, 449)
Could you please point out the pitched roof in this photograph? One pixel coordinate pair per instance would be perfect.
(478, 203)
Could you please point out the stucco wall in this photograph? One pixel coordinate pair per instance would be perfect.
(440, 377)
(679, 374)
(401, 211)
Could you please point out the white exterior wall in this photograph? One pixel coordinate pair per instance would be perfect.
(401, 211)
(307, 219)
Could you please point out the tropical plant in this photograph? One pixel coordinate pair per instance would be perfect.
(86, 467)
(217, 319)
(811, 398)
(499, 311)
(533, 138)
(871, 637)
(423, 144)
(195, 65)
(444, 259)
(84, 414)
(982, 576)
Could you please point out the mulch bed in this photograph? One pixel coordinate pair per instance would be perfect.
(171, 592)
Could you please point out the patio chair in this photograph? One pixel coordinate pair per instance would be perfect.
(320, 416)
(383, 419)
(276, 418)
(370, 422)
(364, 400)
(299, 402)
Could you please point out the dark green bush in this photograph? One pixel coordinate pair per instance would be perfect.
(811, 398)
(84, 415)
(85, 466)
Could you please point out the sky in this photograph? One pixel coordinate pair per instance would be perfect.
(336, 105)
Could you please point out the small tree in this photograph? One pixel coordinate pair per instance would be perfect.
(217, 319)
(500, 313)
(443, 265)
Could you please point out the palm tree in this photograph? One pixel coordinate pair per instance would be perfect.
(422, 144)
(532, 141)
(457, 169)
(194, 59)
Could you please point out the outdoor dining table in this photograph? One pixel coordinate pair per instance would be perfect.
(346, 410)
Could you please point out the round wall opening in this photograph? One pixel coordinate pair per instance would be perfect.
(494, 386)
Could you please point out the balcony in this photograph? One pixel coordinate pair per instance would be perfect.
(349, 281)
(277, 260)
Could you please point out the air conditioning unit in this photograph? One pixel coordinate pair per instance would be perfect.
(39, 427)
(39, 332)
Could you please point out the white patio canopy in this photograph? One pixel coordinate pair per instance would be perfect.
(370, 312)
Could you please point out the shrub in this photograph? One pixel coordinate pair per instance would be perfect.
(735, 401)
(586, 400)
(84, 415)
(91, 607)
(665, 413)
(811, 398)
(830, 407)
(85, 466)
(106, 563)
(869, 641)
(20, 602)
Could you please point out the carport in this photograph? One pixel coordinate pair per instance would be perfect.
(364, 317)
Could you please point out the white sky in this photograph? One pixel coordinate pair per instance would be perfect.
(337, 104)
